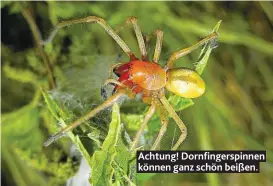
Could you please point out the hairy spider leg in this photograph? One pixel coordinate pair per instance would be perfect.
(122, 69)
(92, 19)
(118, 69)
(158, 33)
(140, 40)
(159, 39)
(134, 22)
(177, 120)
(109, 81)
(112, 69)
(148, 116)
(92, 113)
(183, 52)
(113, 81)
(164, 121)
(122, 72)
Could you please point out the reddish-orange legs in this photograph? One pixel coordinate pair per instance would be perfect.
(147, 78)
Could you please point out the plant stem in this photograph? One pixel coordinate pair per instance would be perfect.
(37, 38)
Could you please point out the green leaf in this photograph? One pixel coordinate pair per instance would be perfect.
(117, 183)
(21, 75)
(60, 115)
(5, 3)
(21, 127)
(80, 147)
(95, 135)
(15, 8)
(54, 108)
(178, 103)
(102, 170)
(124, 155)
(121, 176)
(132, 121)
(49, 48)
(144, 176)
(154, 126)
(205, 53)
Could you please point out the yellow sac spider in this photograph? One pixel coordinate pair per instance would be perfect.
(145, 77)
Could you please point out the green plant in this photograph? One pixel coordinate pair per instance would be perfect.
(234, 113)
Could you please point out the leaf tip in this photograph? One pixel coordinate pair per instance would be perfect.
(216, 28)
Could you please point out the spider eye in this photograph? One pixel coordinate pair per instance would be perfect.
(185, 83)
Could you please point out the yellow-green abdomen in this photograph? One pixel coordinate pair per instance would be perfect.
(185, 83)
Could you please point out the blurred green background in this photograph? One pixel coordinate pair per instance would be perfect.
(235, 113)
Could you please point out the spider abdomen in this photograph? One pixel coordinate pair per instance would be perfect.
(185, 83)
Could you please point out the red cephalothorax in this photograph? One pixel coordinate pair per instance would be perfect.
(139, 75)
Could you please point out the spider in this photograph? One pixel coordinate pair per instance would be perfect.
(144, 77)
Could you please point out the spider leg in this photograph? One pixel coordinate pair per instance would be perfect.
(148, 116)
(178, 121)
(164, 122)
(188, 50)
(107, 81)
(93, 19)
(140, 39)
(112, 68)
(89, 115)
(159, 39)
(113, 81)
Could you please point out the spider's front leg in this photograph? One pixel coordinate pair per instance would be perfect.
(122, 82)
(92, 19)
(112, 69)
(159, 39)
(106, 82)
(140, 39)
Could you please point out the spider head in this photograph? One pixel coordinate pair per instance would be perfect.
(185, 82)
